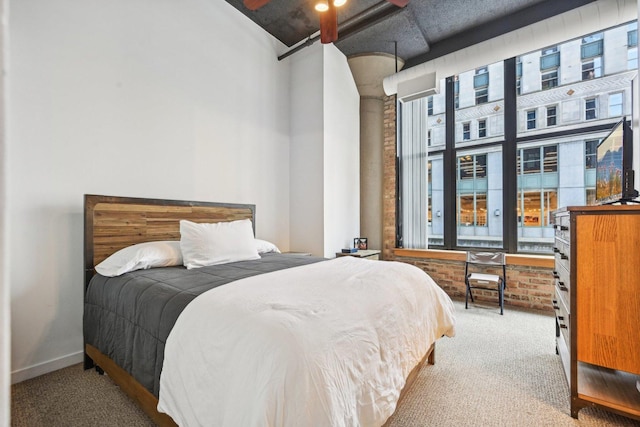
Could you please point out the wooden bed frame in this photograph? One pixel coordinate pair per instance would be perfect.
(112, 223)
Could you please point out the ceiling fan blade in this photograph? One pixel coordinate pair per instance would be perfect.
(329, 25)
(399, 3)
(255, 4)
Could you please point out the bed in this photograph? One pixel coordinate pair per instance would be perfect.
(131, 320)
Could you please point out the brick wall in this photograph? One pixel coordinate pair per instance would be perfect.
(528, 286)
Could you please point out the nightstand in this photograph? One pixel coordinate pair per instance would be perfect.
(363, 253)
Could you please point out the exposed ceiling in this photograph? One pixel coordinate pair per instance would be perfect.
(421, 31)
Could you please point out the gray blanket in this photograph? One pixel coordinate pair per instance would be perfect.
(129, 317)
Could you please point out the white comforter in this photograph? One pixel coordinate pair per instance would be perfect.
(326, 344)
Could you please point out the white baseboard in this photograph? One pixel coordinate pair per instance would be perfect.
(46, 367)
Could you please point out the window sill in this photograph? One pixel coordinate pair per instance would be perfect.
(543, 261)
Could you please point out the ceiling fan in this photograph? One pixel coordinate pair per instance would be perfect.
(328, 15)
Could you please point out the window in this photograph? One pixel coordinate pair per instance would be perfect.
(590, 153)
(632, 46)
(471, 198)
(429, 138)
(591, 54)
(552, 115)
(550, 58)
(592, 69)
(632, 34)
(482, 96)
(531, 119)
(530, 161)
(591, 46)
(632, 58)
(547, 164)
(456, 93)
(549, 65)
(482, 128)
(534, 202)
(430, 106)
(481, 85)
(550, 158)
(535, 207)
(615, 105)
(590, 112)
(519, 76)
(550, 79)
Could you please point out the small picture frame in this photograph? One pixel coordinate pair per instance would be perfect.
(360, 243)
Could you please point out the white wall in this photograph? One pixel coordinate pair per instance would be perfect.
(342, 153)
(5, 332)
(325, 135)
(151, 98)
(307, 147)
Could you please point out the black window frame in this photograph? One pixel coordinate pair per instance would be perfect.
(509, 146)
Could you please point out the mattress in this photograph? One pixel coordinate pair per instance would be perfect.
(326, 344)
(128, 318)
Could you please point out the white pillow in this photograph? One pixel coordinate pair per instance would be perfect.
(141, 256)
(218, 243)
(264, 247)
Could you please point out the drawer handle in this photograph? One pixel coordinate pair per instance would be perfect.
(562, 227)
(563, 326)
(562, 286)
(556, 250)
(560, 317)
(556, 275)
(555, 307)
(563, 256)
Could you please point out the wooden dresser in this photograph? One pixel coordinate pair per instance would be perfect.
(597, 304)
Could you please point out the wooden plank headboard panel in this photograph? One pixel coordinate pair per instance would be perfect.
(112, 223)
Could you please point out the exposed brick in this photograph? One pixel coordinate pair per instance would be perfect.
(527, 287)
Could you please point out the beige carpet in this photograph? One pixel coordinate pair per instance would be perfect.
(497, 371)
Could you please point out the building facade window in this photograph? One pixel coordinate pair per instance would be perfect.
(430, 106)
(481, 85)
(467, 169)
(549, 66)
(590, 153)
(590, 109)
(615, 104)
(466, 131)
(531, 119)
(632, 46)
(429, 138)
(456, 93)
(482, 128)
(591, 53)
(552, 116)
(472, 194)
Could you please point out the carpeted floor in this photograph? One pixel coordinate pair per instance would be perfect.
(497, 371)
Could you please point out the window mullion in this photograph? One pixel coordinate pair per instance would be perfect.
(509, 176)
(449, 168)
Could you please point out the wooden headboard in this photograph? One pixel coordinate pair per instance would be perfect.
(112, 223)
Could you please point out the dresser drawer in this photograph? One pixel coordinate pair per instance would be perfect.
(562, 252)
(562, 281)
(561, 227)
(562, 315)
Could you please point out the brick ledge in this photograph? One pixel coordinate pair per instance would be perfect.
(543, 261)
